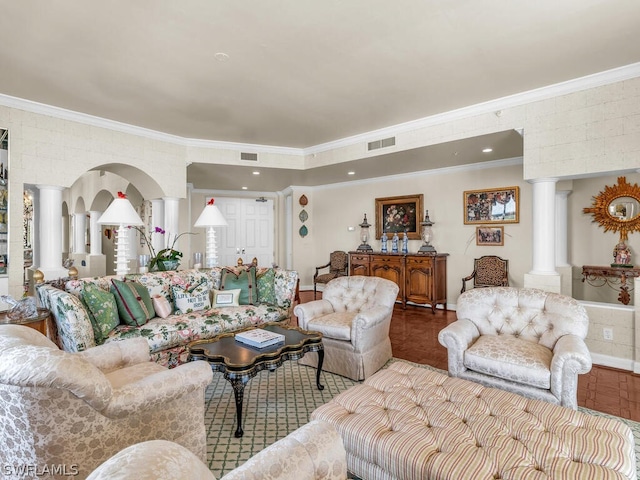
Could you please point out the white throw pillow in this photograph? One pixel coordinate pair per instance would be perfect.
(226, 298)
(191, 300)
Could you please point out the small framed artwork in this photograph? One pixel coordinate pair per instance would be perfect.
(398, 215)
(493, 205)
(490, 236)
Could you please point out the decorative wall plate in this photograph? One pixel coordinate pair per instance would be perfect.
(303, 231)
(303, 216)
(303, 200)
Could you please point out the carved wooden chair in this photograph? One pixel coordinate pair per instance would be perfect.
(338, 267)
(488, 271)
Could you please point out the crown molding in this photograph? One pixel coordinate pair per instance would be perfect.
(590, 81)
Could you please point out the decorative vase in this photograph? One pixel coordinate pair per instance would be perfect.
(383, 242)
(394, 243)
(165, 265)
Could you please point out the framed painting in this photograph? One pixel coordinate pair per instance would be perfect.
(399, 214)
(493, 205)
(490, 236)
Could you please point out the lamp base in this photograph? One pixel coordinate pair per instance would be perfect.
(364, 248)
(427, 250)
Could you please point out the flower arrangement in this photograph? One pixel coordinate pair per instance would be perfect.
(166, 259)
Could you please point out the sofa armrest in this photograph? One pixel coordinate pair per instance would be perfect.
(571, 357)
(153, 390)
(315, 450)
(456, 338)
(310, 310)
(115, 355)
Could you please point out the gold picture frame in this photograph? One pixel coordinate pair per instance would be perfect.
(492, 205)
(399, 214)
(493, 236)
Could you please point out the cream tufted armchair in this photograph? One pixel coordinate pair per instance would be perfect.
(315, 450)
(525, 341)
(75, 410)
(353, 316)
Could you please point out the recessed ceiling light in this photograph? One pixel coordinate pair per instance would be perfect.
(487, 150)
(221, 56)
(244, 188)
(351, 173)
(256, 173)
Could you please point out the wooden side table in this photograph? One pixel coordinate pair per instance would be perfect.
(39, 322)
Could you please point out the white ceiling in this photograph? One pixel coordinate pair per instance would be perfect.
(300, 73)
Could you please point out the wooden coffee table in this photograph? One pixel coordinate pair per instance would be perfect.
(240, 362)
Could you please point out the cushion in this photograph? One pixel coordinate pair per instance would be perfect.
(267, 287)
(161, 305)
(103, 310)
(335, 325)
(511, 358)
(194, 299)
(245, 280)
(134, 302)
(226, 298)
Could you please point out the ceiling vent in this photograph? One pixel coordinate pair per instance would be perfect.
(253, 157)
(385, 142)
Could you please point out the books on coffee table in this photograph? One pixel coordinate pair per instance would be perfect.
(259, 338)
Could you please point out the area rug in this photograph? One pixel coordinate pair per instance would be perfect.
(275, 404)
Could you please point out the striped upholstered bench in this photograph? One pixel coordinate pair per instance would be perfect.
(407, 422)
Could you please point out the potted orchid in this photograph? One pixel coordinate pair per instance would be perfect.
(166, 259)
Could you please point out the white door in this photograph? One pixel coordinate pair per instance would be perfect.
(250, 232)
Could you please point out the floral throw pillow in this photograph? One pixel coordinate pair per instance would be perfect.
(103, 308)
(134, 302)
(267, 287)
(187, 300)
(245, 280)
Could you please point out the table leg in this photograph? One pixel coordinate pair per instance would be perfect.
(320, 362)
(238, 392)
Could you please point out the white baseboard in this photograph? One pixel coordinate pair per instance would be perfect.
(615, 362)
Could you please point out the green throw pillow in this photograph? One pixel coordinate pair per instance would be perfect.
(245, 280)
(134, 302)
(267, 287)
(103, 310)
(192, 299)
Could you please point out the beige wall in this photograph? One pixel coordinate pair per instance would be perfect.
(332, 209)
(588, 243)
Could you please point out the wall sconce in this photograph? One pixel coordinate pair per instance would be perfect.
(364, 236)
(427, 236)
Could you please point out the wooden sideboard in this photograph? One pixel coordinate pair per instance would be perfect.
(422, 279)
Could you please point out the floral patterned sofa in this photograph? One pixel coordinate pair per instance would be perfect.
(167, 337)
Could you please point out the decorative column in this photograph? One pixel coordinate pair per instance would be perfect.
(562, 213)
(157, 220)
(95, 233)
(171, 219)
(79, 229)
(562, 250)
(50, 232)
(543, 274)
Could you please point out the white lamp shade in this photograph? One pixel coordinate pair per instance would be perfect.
(210, 217)
(120, 212)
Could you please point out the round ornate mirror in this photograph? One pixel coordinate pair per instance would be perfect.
(617, 208)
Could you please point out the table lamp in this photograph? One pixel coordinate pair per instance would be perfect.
(122, 214)
(209, 218)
